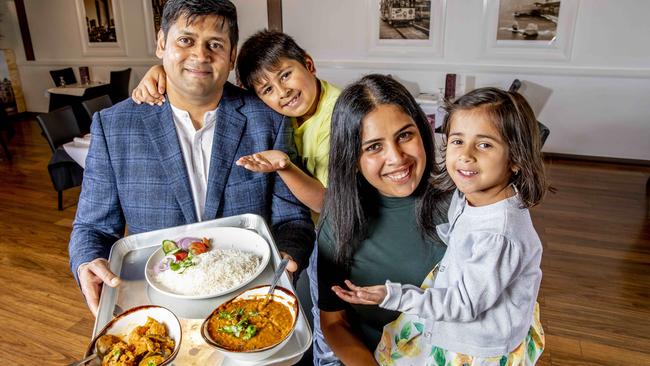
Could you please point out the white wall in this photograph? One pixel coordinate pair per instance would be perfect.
(597, 101)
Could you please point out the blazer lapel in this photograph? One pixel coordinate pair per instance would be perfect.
(160, 126)
(227, 136)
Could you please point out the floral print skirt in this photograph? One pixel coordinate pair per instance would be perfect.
(395, 348)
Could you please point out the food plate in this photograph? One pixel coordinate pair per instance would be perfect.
(225, 238)
(123, 324)
(281, 296)
(128, 258)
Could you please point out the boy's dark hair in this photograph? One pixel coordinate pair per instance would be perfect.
(350, 199)
(515, 120)
(263, 51)
(193, 9)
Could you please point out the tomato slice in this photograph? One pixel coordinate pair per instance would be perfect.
(198, 247)
(180, 255)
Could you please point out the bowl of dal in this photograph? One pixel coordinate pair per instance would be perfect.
(251, 326)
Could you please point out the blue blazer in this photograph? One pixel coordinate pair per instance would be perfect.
(135, 175)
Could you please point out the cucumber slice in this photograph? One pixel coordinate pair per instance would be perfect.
(168, 246)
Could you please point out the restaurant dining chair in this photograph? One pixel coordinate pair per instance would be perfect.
(59, 127)
(544, 131)
(120, 85)
(96, 104)
(67, 75)
(6, 132)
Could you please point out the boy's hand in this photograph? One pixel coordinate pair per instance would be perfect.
(369, 295)
(265, 162)
(151, 89)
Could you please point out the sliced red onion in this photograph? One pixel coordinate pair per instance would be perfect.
(184, 243)
(164, 263)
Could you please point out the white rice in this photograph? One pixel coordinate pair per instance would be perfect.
(218, 270)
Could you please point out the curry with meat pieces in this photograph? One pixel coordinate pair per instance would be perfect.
(250, 324)
(147, 345)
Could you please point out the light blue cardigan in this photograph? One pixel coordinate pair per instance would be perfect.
(481, 301)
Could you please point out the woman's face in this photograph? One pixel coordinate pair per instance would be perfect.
(392, 155)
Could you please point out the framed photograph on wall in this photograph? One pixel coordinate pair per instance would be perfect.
(406, 27)
(100, 25)
(529, 29)
(152, 18)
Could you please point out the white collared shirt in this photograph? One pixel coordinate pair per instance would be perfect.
(196, 146)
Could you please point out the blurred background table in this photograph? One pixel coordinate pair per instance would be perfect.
(73, 95)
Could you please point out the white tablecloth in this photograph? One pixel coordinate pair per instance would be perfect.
(78, 149)
(77, 90)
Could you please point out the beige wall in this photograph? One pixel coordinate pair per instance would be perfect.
(595, 102)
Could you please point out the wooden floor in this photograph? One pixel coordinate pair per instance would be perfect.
(595, 295)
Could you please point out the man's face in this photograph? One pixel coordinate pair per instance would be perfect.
(197, 57)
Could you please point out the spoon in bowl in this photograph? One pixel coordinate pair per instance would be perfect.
(102, 347)
(276, 277)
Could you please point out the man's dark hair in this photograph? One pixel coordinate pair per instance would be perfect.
(193, 9)
(263, 51)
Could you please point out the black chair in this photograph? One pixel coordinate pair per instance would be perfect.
(96, 104)
(544, 131)
(66, 74)
(59, 127)
(6, 132)
(120, 85)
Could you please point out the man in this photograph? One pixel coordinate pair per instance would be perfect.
(150, 167)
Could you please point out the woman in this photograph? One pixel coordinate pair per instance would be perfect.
(380, 210)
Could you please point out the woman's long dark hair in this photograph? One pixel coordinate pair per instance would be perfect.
(350, 199)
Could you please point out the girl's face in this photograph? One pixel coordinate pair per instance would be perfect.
(477, 158)
(392, 155)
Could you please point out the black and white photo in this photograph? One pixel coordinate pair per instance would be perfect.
(528, 20)
(404, 19)
(100, 21)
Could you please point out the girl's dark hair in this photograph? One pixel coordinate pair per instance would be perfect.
(517, 125)
(193, 9)
(263, 51)
(350, 199)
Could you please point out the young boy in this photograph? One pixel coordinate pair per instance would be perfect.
(283, 76)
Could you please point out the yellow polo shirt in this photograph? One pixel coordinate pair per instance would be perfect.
(313, 136)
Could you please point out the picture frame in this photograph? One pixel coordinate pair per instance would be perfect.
(540, 42)
(101, 31)
(411, 36)
(152, 14)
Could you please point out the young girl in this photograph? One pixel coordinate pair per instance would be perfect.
(478, 305)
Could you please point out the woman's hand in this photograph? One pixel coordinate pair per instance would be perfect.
(265, 162)
(151, 89)
(368, 295)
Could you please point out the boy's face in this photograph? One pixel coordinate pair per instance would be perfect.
(290, 89)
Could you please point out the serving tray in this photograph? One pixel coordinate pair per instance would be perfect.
(127, 259)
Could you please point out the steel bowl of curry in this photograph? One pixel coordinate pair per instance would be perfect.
(145, 335)
(252, 326)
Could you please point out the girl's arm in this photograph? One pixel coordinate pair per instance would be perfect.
(151, 89)
(307, 190)
(493, 265)
(343, 341)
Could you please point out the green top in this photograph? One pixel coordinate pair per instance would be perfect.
(394, 250)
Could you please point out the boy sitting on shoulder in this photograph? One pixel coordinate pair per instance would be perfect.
(283, 76)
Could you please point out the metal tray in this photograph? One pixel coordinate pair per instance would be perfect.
(127, 259)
